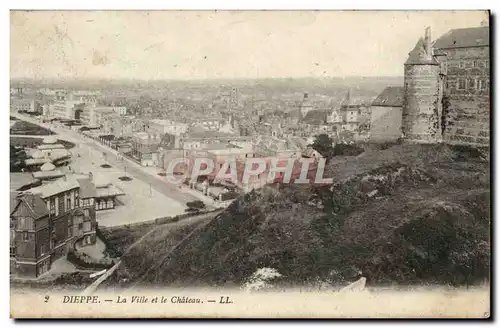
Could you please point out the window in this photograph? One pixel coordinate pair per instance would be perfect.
(481, 84)
(43, 249)
(475, 63)
(86, 212)
(26, 236)
(444, 67)
(52, 206)
(80, 226)
(461, 84)
(68, 204)
(12, 250)
(461, 64)
(25, 223)
(471, 83)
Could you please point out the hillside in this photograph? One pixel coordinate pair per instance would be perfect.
(409, 214)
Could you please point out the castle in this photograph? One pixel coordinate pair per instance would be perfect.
(447, 89)
(446, 92)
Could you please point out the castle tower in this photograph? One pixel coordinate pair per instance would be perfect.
(421, 104)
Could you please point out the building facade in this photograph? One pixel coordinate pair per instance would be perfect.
(145, 148)
(386, 115)
(45, 222)
(447, 89)
(25, 105)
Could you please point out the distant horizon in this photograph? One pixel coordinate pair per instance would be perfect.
(214, 45)
(208, 79)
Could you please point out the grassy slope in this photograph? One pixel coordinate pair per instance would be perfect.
(427, 223)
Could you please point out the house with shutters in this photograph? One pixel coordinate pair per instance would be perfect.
(45, 222)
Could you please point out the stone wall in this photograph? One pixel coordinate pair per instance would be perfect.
(421, 107)
(467, 109)
(385, 123)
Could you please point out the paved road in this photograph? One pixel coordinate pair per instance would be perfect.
(131, 168)
(165, 188)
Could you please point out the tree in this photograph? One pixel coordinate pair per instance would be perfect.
(323, 145)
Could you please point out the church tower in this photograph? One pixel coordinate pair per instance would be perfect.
(306, 105)
(421, 122)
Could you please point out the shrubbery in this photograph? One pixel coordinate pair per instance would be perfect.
(420, 227)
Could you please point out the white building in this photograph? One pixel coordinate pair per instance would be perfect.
(64, 109)
(27, 105)
(334, 117)
(168, 126)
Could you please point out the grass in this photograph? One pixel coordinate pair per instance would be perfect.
(153, 249)
(427, 223)
(27, 128)
(33, 142)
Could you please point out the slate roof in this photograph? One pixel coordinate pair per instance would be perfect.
(109, 191)
(390, 97)
(35, 204)
(464, 37)
(48, 174)
(55, 187)
(419, 55)
(315, 117)
(13, 201)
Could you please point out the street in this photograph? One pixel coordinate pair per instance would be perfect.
(146, 197)
(130, 168)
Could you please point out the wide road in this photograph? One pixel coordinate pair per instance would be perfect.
(131, 168)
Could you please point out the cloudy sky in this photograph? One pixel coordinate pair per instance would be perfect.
(208, 44)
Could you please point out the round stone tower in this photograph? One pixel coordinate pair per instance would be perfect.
(421, 105)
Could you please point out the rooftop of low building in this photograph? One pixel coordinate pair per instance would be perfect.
(390, 97)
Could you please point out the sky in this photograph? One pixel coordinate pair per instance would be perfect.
(220, 44)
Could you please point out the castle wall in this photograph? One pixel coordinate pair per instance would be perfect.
(385, 123)
(467, 115)
(421, 107)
